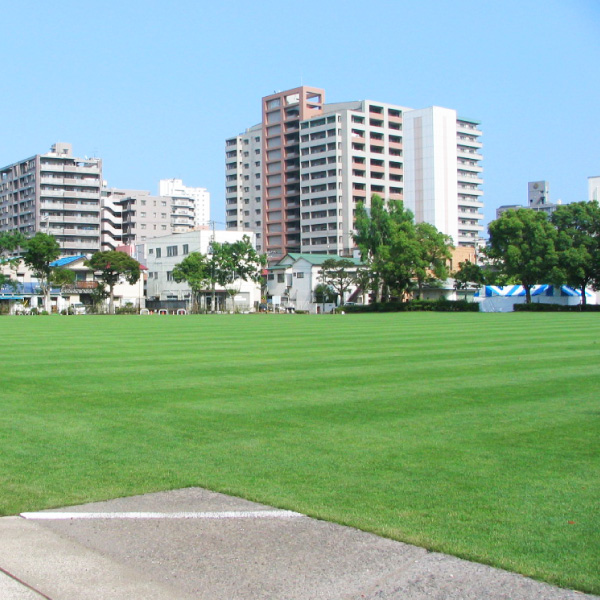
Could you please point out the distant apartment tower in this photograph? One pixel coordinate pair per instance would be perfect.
(296, 178)
(538, 198)
(594, 188)
(442, 172)
(54, 193)
(200, 197)
(538, 194)
(133, 216)
(243, 183)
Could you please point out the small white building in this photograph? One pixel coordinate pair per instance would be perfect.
(291, 283)
(162, 254)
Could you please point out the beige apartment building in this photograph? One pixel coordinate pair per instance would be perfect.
(295, 179)
(133, 216)
(54, 193)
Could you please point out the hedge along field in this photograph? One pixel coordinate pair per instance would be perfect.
(471, 434)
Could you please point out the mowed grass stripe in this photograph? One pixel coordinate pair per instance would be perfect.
(466, 433)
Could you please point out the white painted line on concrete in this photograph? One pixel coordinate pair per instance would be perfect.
(240, 514)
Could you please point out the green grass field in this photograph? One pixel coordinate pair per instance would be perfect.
(471, 434)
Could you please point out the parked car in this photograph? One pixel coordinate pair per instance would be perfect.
(78, 308)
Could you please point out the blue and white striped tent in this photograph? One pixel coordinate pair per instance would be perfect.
(496, 298)
(508, 291)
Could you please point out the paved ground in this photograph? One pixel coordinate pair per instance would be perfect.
(195, 544)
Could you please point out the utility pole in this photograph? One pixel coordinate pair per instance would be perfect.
(213, 282)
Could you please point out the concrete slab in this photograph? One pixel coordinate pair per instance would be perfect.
(11, 589)
(198, 544)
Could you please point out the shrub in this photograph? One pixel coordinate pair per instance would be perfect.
(440, 305)
(543, 307)
(128, 309)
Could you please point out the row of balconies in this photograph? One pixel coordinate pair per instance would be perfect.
(73, 231)
(69, 194)
(66, 168)
(469, 178)
(92, 245)
(90, 181)
(469, 153)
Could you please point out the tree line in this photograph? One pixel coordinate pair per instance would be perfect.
(42, 250)
(399, 257)
(225, 264)
(525, 247)
(528, 247)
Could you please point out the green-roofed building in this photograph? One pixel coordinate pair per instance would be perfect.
(292, 281)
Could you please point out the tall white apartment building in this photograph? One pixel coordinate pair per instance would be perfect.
(174, 188)
(442, 172)
(54, 193)
(297, 177)
(243, 183)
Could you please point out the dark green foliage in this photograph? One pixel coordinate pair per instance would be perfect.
(225, 264)
(325, 294)
(440, 305)
(522, 246)
(110, 266)
(468, 275)
(578, 243)
(399, 254)
(9, 242)
(195, 270)
(337, 273)
(40, 251)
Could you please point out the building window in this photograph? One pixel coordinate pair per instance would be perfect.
(171, 250)
(299, 275)
(158, 251)
(280, 278)
(169, 275)
(186, 249)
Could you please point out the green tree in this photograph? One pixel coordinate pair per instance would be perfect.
(363, 278)
(522, 246)
(110, 266)
(432, 251)
(578, 243)
(385, 237)
(98, 295)
(338, 273)
(195, 270)
(9, 242)
(325, 294)
(40, 251)
(469, 275)
(231, 261)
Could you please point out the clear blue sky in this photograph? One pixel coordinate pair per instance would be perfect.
(154, 88)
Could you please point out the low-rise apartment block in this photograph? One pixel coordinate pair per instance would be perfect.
(161, 254)
(132, 216)
(200, 198)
